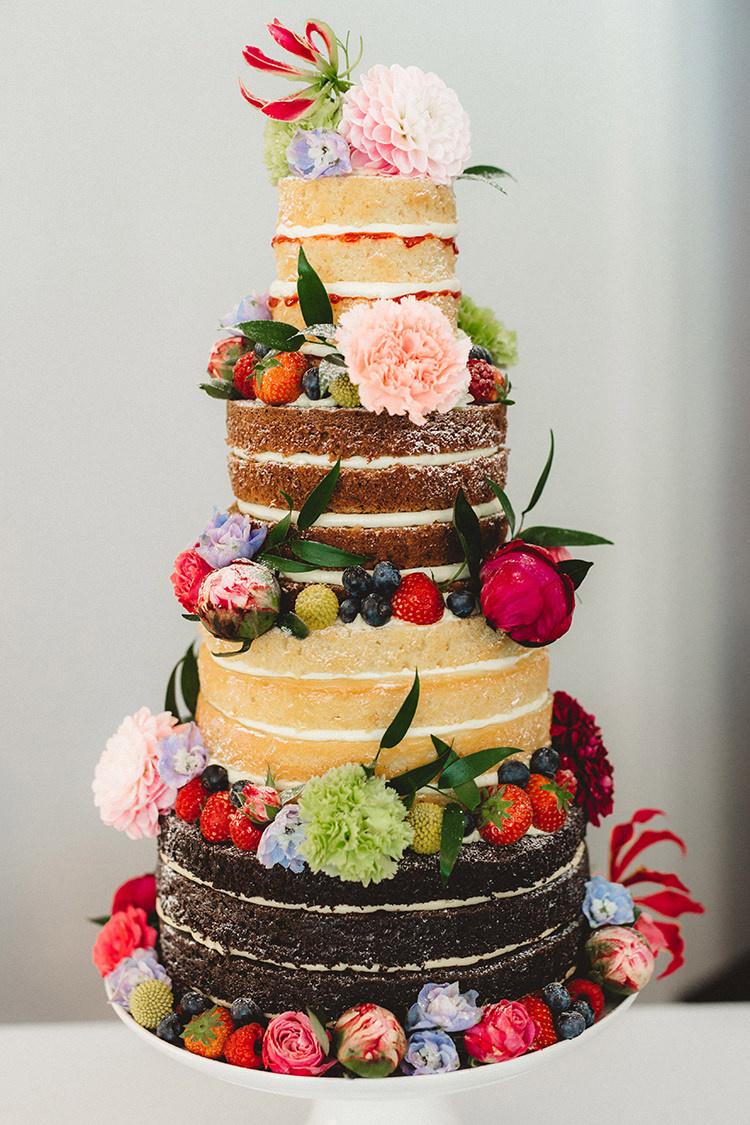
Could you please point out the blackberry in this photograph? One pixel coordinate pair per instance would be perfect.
(386, 579)
(513, 773)
(244, 1011)
(478, 352)
(311, 383)
(349, 609)
(376, 611)
(461, 603)
(545, 761)
(556, 997)
(356, 581)
(215, 779)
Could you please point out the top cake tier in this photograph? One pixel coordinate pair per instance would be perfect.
(367, 237)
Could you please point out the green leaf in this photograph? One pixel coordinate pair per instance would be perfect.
(451, 835)
(403, 718)
(562, 537)
(314, 301)
(191, 616)
(507, 507)
(100, 921)
(322, 554)
(170, 696)
(189, 681)
(409, 782)
(319, 498)
(220, 390)
(468, 530)
(576, 570)
(274, 334)
(485, 170)
(237, 652)
(278, 533)
(318, 1030)
(539, 487)
(473, 765)
(287, 566)
(294, 624)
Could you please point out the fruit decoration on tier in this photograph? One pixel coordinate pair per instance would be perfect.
(362, 738)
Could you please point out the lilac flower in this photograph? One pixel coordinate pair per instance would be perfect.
(318, 152)
(182, 756)
(430, 1052)
(281, 840)
(142, 965)
(607, 903)
(230, 536)
(444, 1006)
(252, 307)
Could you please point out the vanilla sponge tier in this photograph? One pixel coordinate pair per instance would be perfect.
(300, 707)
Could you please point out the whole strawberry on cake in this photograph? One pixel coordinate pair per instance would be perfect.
(369, 808)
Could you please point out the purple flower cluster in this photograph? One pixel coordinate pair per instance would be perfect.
(252, 307)
(228, 537)
(444, 1007)
(141, 965)
(313, 153)
(182, 756)
(280, 842)
(430, 1052)
(607, 904)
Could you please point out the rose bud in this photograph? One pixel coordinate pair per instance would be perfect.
(186, 578)
(621, 959)
(225, 354)
(239, 601)
(505, 1031)
(525, 595)
(369, 1041)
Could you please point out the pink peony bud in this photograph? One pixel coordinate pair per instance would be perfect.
(505, 1031)
(621, 959)
(188, 573)
(525, 595)
(369, 1041)
(255, 798)
(290, 1046)
(239, 601)
(126, 931)
(225, 354)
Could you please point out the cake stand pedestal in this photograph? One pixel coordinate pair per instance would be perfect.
(341, 1101)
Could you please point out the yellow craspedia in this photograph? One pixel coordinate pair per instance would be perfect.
(426, 818)
(150, 1002)
(343, 391)
(317, 606)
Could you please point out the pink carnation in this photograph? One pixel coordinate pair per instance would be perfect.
(505, 1031)
(128, 789)
(186, 577)
(404, 357)
(290, 1046)
(126, 931)
(401, 121)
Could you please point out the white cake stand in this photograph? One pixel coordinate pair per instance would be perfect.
(340, 1101)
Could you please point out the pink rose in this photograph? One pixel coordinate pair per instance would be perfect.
(225, 354)
(239, 601)
(139, 892)
(189, 571)
(126, 931)
(369, 1041)
(505, 1031)
(525, 595)
(128, 788)
(290, 1046)
(621, 959)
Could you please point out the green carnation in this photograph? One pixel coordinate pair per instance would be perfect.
(278, 134)
(483, 328)
(355, 826)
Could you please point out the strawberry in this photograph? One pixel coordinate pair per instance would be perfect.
(207, 1033)
(243, 375)
(582, 989)
(280, 381)
(487, 382)
(190, 801)
(418, 600)
(549, 802)
(215, 817)
(505, 814)
(242, 1048)
(567, 780)
(245, 835)
(542, 1017)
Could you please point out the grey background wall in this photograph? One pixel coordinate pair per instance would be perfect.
(135, 211)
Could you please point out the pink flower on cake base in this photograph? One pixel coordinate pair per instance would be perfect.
(404, 357)
(239, 601)
(401, 121)
(505, 1031)
(139, 892)
(525, 595)
(186, 577)
(126, 931)
(621, 959)
(290, 1046)
(128, 788)
(369, 1041)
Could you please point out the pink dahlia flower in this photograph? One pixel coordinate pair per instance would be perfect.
(126, 931)
(401, 121)
(621, 959)
(128, 788)
(370, 1041)
(404, 357)
(505, 1031)
(290, 1046)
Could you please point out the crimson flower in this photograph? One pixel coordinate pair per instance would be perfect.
(578, 740)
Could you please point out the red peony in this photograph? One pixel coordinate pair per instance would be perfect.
(578, 741)
(505, 1031)
(139, 892)
(126, 931)
(189, 571)
(525, 595)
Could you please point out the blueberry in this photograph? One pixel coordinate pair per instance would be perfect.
(356, 581)
(311, 383)
(245, 1011)
(236, 793)
(376, 611)
(514, 773)
(261, 351)
(469, 824)
(545, 761)
(214, 779)
(170, 1028)
(193, 1003)
(349, 609)
(461, 603)
(556, 997)
(478, 352)
(386, 579)
(584, 1008)
(570, 1024)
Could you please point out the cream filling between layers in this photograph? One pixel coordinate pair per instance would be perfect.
(372, 290)
(237, 664)
(399, 230)
(368, 519)
(323, 460)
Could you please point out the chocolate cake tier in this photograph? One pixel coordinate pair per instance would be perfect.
(508, 922)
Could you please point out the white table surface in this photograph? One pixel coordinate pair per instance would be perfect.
(665, 1065)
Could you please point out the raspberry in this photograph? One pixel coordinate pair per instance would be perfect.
(190, 801)
(426, 818)
(242, 1048)
(281, 381)
(243, 375)
(215, 817)
(150, 1002)
(343, 391)
(317, 606)
(418, 600)
(582, 989)
(245, 835)
(207, 1033)
(566, 779)
(486, 381)
(542, 1017)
